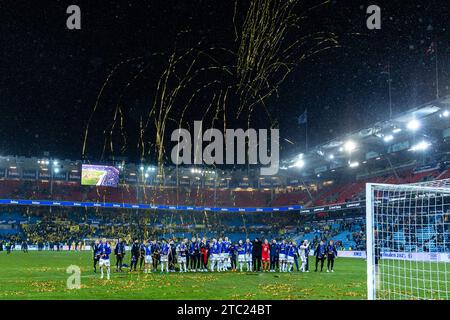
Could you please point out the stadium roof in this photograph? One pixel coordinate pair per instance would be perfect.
(414, 129)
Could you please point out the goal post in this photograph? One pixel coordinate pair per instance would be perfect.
(408, 241)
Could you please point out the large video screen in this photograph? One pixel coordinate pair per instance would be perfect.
(97, 175)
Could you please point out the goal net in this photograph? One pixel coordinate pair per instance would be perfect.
(408, 240)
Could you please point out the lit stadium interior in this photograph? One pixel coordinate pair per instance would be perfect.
(348, 103)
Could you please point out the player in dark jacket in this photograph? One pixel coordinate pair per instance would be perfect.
(331, 255)
(194, 255)
(141, 255)
(257, 255)
(96, 252)
(320, 254)
(135, 253)
(274, 252)
(119, 252)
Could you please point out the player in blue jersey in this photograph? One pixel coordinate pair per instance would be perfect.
(290, 255)
(164, 256)
(182, 251)
(320, 253)
(105, 251)
(226, 254)
(241, 255)
(148, 248)
(282, 256)
(248, 254)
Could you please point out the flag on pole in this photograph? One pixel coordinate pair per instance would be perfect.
(303, 118)
(432, 52)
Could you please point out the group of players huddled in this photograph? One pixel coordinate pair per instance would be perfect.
(203, 255)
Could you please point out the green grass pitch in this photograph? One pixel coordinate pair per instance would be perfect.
(42, 275)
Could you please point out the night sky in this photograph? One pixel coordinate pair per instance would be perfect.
(50, 76)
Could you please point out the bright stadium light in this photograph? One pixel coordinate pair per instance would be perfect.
(300, 163)
(413, 125)
(349, 146)
(446, 113)
(56, 170)
(421, 146)
(388, 138)
(396, 130)
(331, 156)
(353, 164)
(47, 162)
(55, 163)
(142, 168)
(146, 175)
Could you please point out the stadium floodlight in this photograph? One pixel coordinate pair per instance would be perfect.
(300, 163)
(47, 162)
(146, 175)
(413, 125)
(421, 146)
(397, 130)
(331, 156)
(142, 168)
(349, 146)
(407, 246)
(388, 138)
(55, 163)
(353, 164)
(56, 170)
(445, 114)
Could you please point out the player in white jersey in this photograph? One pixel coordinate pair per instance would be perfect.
(182, 253)
(248, 254)
(241, 255)
(214, 256)
(164, 253)
(302, 251)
